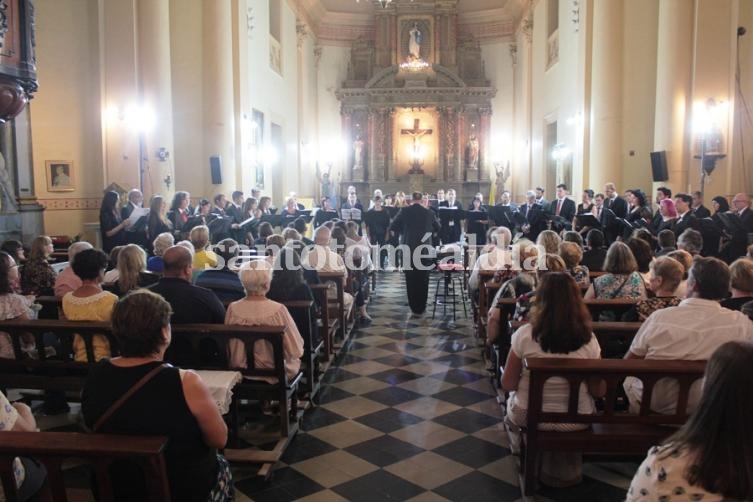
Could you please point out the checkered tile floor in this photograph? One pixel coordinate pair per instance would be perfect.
(409, 413)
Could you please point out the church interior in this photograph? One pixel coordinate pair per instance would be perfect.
(306, 99)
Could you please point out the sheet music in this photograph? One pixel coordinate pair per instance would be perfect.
(136, 215)
(351, 214)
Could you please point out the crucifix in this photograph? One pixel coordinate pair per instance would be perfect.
(416, 133)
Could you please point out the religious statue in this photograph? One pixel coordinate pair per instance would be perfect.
(414, 42)
(325, 181)
(358, 153)
(472, 152)
(503, 174)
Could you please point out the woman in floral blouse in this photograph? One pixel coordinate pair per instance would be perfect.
(709, 458)
(37, 276)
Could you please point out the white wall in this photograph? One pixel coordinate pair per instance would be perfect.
(332, 72)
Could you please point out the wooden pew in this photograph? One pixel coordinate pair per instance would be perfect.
(609, 433)
(614, 337)
(595, 306)
(346, 317)
(302, 312)
(98, 450)
(62, 373)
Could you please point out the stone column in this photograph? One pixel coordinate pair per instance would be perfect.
(155, 86)
(485, 137)
(347, 119)
(459, 166)
(389, 143)
(674, 64)
(606, 95)
(219, 105)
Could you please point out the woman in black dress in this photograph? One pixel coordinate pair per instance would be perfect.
(477, 222)
(111, 225)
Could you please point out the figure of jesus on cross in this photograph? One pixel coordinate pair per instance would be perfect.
(416, 133)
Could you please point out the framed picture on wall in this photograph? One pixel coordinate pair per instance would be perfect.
(60, 176)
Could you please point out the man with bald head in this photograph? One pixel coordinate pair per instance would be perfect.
(738, 245)
(190, 304)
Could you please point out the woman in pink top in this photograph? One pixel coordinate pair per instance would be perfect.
(256, 310)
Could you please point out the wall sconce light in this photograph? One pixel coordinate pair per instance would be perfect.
(709, 122)
(560, 151)
(163, 154)
(168, 181)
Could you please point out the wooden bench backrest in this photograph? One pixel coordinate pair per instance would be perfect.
(613, 371)
(614, 337)
(194, 333)
(52, 448)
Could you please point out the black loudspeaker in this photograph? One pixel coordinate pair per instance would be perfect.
(215, 167)
(659, 166)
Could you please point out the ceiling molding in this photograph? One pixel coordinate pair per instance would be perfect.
(343, 28)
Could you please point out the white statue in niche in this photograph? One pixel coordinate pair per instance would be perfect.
(414, 42)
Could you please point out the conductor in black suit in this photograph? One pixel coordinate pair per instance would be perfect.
(614, 202)
(416, 224)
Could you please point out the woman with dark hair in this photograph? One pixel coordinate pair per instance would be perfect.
(587, 202)
(180, 212)
(711, 457)
(560, 326)
(287, 278)
(111, 226)
(90, 302)
(157, 221)
(643, 256)
(37, 276)
(477, 221)
(636, 201)
(719, 204)
(15, 249)
(172, 402)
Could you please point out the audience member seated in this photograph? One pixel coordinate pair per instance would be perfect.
(67, 280)
(689, 331)
(29, 474)
(37, 276)
(287, 278)
(12, 305)
(322, 259)
(664, 278)
(571, 253)
(160, 244)
(748, 255)
(596, 251)
(622, 279)
(517, 283)
(190, 304)
(494, 256)
(89, 302)
(560, 327)
(709, 458)
(549, 240)
(112, 268)
(274, 243)
(300, 225)
(256, 310)
(741, 284)
(172, 402)
(643, 255)
(686, 260)
(747, 309)
(523, 303)
(224, 282)
(203, 258)
(15, 249)
(265, 230)
(667, 242)
(572, 236)
(691, 241)
(132, 273)
(291, 234)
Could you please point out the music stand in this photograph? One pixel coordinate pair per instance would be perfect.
(587, 220)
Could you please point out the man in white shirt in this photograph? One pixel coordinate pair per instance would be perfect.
(690, 331)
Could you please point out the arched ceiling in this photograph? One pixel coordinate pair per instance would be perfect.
(340, 21)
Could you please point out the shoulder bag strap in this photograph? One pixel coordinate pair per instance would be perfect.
(617, 291)
(117, 404)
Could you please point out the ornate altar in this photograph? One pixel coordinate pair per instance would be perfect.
(416, 105)
(18, 81)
